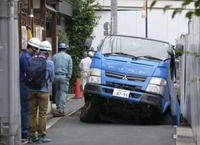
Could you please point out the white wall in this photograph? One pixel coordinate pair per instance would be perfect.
(190, 77)
(139, 3)
(160, 25)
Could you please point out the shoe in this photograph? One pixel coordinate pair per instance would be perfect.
(58, 114)
(61, 111)
(24, 141)
(32, 139)
(43, 140)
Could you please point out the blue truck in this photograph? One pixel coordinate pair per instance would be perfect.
(132, 81)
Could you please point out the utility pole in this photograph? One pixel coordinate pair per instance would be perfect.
(146, 19)
(9, 74)
(145, 15)
(113, 20)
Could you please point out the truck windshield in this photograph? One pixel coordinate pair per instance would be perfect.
(135, 46)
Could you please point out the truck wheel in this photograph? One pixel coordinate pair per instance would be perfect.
(167, 119)
(89, 112)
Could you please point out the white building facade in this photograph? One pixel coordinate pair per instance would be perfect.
(160, 25)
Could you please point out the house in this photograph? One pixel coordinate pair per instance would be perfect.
(44, 19)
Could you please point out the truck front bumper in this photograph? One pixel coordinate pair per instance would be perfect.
(106, 92)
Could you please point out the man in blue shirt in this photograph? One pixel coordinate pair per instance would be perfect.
(38, 99)
(63, 71)
(32, 47)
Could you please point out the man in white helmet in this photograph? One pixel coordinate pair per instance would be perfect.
(85, 67)
(26, 54)
(38, 98)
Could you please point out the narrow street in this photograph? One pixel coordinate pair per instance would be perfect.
(70, 131)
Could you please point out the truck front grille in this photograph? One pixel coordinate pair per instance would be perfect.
(132, 88)
(127, 77)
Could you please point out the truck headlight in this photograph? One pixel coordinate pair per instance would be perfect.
(95, 76)
(156, 85)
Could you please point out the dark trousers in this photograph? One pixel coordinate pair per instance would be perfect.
(24, 109)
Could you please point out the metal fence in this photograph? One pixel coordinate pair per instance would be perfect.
(190, 76)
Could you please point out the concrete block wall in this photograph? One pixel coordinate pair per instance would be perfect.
(190, 76)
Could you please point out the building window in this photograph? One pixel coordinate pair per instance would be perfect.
(48, 26)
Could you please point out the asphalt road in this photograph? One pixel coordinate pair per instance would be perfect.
(70, 131)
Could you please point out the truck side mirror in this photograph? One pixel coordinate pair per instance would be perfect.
(175, 52)
(178, 49)
(170, 52)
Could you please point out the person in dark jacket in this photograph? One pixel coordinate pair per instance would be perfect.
(26, 54)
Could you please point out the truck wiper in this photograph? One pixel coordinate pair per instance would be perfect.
(108, 53)
(149, 57)
(125, 54)
(121, 53)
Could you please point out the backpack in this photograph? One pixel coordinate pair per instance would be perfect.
(35, 73)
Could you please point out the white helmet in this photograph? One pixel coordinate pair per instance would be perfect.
(34, 42)
(90, 53)
(45, 45)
